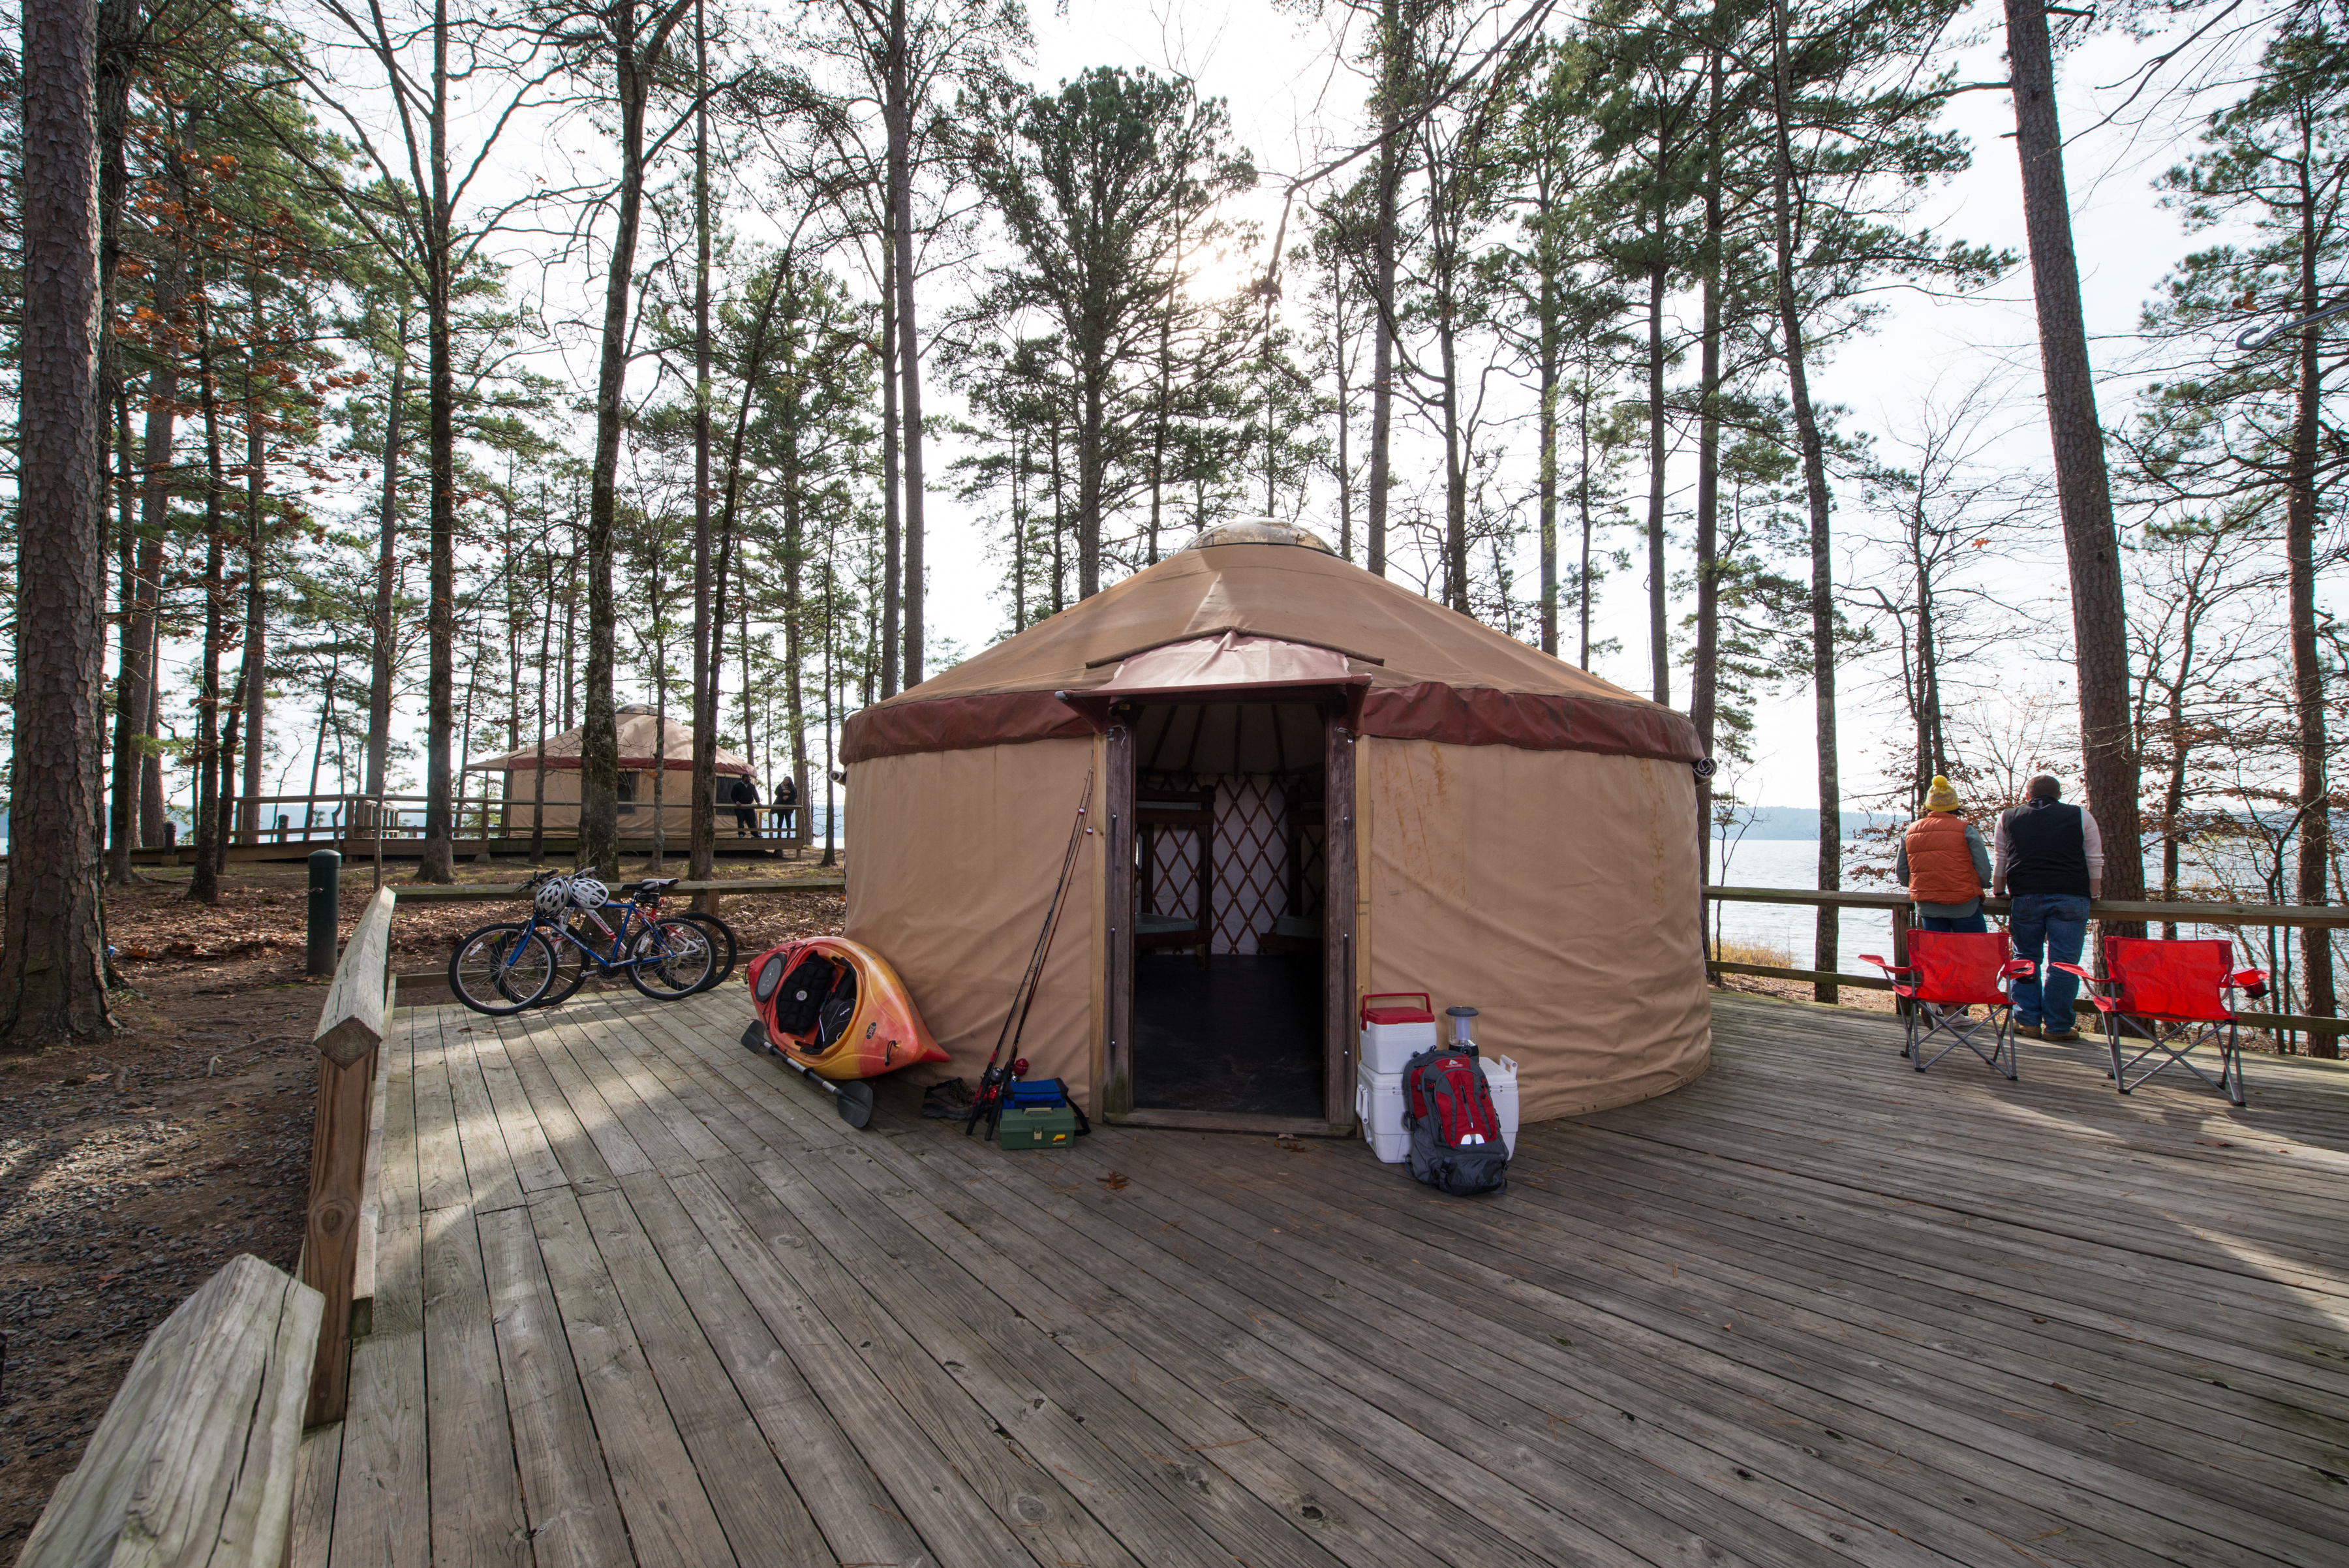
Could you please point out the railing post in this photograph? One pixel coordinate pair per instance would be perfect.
(326, 909)
(1900, 1004)
(350, 1035)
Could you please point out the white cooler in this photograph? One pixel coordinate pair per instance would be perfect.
(1394, 1035)
(1378, 1103)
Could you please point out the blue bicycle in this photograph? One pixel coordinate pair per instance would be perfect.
(504, 967)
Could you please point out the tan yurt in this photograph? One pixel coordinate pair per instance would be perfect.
(646, 743)
(1302, 785)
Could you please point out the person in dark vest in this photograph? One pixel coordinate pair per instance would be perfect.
(1944, 865)
(744, 793)
(2051, 858)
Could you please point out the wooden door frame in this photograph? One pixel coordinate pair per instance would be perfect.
(1115, 1095)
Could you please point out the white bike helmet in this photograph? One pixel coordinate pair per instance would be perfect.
(588, 893)
(552, 895)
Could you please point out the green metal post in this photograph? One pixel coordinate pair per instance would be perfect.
(326, 908)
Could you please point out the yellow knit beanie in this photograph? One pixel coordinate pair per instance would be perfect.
(1940, 797)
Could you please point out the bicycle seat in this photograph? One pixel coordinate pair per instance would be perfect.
(653, 885)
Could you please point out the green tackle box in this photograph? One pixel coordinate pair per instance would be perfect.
(1039, 1126)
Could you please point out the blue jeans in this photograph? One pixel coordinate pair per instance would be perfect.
(2047, 928)
(1976, 924)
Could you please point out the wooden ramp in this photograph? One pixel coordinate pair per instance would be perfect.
(643, 1299)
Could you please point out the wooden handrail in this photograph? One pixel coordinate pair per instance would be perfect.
(349, 1040)
(194, 1459)
(486, 892)
(2208, 914)
(1898, 905)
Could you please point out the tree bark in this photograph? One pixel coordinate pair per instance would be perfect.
(52, 952)
(1815, 491)
(1704, 677)
(909, 349)
(599, 844)
(204, 881)
(254, 679)
(2091, 549)
(2302, 520)
(386, 569)
(438, 863)
(1660, 648)
(701, 856)
(1390, 179)
(117, 41)
(891, 524)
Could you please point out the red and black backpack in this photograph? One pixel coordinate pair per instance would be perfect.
(1455, 1135)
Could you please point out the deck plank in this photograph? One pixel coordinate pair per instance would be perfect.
(643, 1299)
(574, 1515)
(382, 1495)
(850, 1504)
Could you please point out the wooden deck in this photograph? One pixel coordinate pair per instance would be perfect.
(643, 1299)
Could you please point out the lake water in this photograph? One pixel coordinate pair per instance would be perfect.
(1792, 927)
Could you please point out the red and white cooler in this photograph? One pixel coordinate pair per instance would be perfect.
(1393, 1032)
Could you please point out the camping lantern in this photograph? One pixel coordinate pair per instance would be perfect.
(1463, 1036)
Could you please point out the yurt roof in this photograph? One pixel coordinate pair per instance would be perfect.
(1218, 612)
(640, 727)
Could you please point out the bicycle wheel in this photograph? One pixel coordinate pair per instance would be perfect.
(501, 968)
(721, 939)
(571, 967)
(672, 959)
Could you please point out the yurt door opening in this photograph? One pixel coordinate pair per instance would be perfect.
(1230, 949)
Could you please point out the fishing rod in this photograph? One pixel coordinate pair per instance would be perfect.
(2260, 338)
(1015, 1018)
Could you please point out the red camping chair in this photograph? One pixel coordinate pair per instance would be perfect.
(1947, 972)
(2175, 993)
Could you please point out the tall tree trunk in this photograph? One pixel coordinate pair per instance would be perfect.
(2091, 549)
(1455, 468)
(545, 648)
(1815, 491)
(154, 810)
(599, 843)
(1092, 463)
(702, 855)
(1384, 241)
(2300, 522)
(255, 679)
(891, 524)
(1340, 338)
(438, 862)
(1704, 677)
(1582, 502)
(52, 952)
(129, 697)
(1660, 648)
(1546, 439)
(117, 41)
(909, 343)
(204, 882)
(382, 630)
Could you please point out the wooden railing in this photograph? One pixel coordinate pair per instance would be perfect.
(2227, 915)
(338, 1231)
(194, 1459)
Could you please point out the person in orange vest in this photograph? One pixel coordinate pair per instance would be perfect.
(1944, 865)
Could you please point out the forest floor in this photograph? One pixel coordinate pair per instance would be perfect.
(132, 1171)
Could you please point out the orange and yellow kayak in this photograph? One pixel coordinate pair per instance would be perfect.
(835, 1008)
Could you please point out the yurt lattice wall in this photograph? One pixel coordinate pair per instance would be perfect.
(1251, 862)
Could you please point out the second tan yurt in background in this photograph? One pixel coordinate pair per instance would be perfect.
(646, 743)
(1301, 785)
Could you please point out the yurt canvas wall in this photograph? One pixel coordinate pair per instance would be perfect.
(1499, 829)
